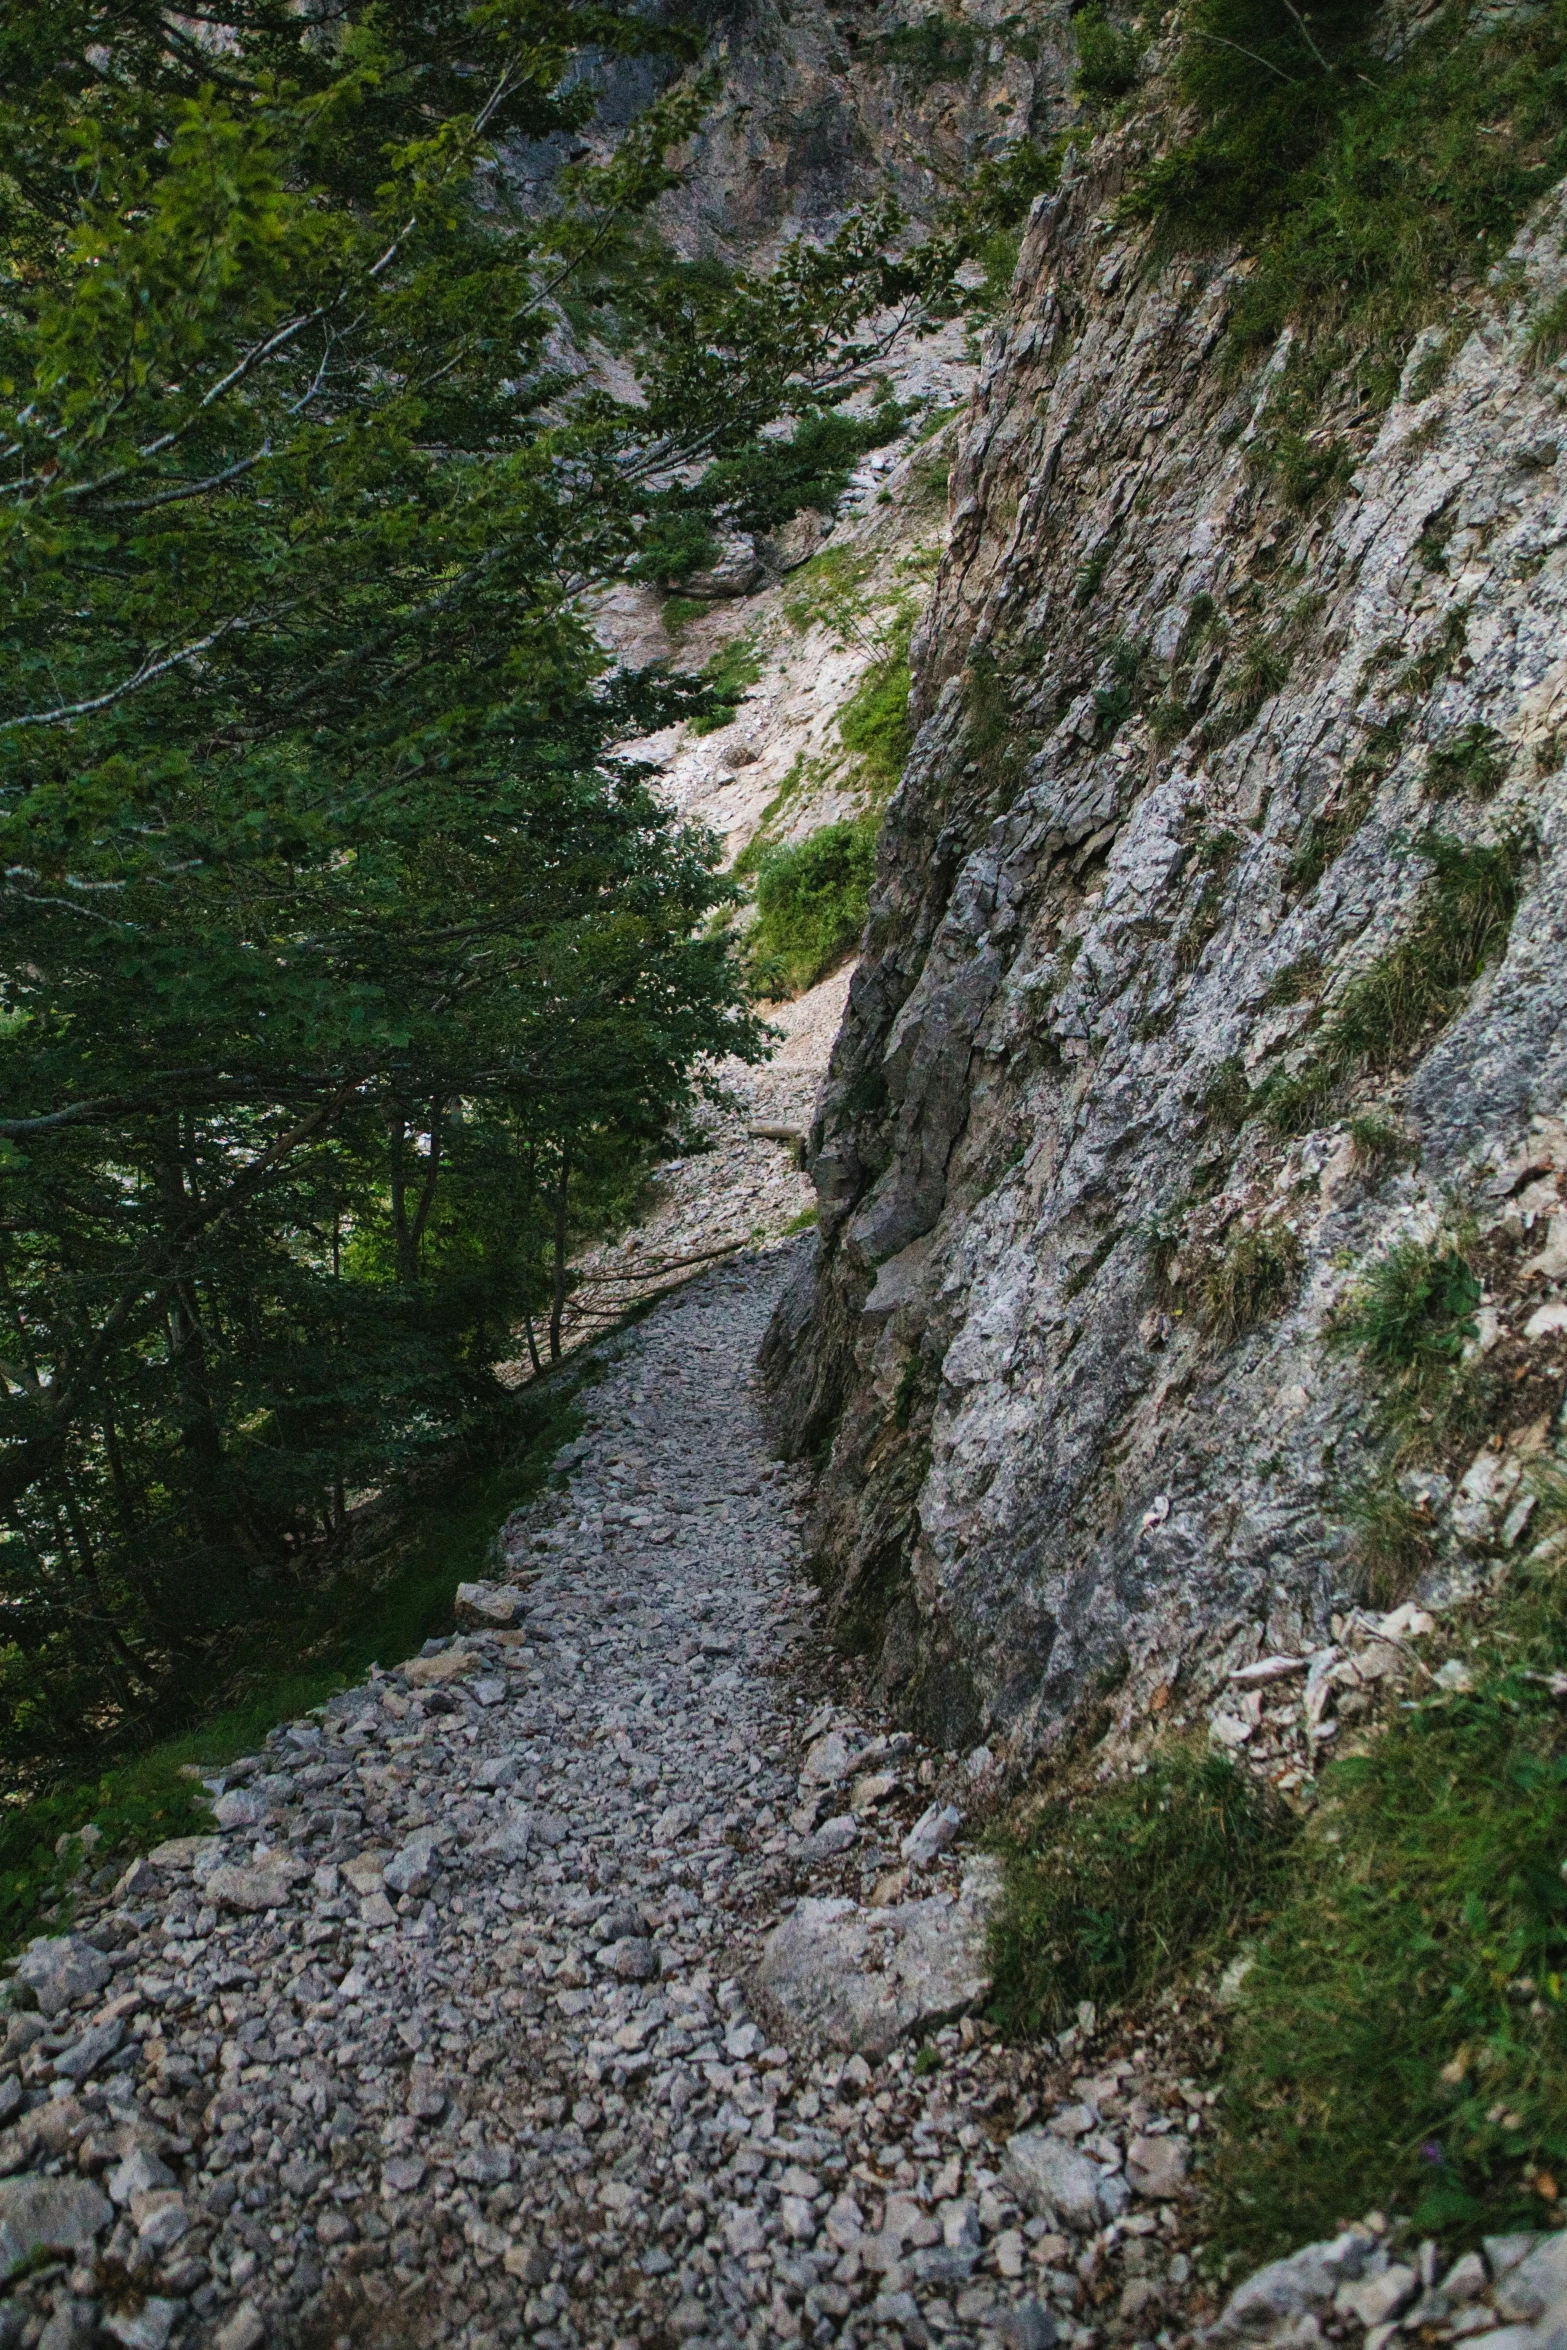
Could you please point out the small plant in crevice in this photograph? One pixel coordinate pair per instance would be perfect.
(1255, 1277)
(1226, 1098)
(1461, 924)
(1470, 765)
(1409, 1319)
(1297, 983)
(1215, 859)
(1393, 1539)
(1548, 333)
(1108, 1897)
(1379, 1146)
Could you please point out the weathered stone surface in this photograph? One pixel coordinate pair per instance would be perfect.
(60, 1969)
(1295, 2287)
(432, 1672)
(49, 2215)
(488, 1606)
(266, 1886)
(1052, 2179)
(841, 1976)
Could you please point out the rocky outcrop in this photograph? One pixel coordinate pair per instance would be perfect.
(1191, 760)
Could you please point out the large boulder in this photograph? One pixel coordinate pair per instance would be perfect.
(59, 1969)
(49, 2215)
(838, 1976)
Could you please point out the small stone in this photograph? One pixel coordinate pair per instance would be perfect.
(147, 2328)
(1156, 2166)
(833, 1836)
(243, 1807)
(60, 1969)
(48, 2215)
(245, 2330)
(1374, 2300)
(403, 2174)
(931, 1833)
(1052, 2178)
(488, 1606)
(432, 1672)
(252, 1889)
(160, 2219)
(1029, 2326)
(96, 2045)
(634, 1960)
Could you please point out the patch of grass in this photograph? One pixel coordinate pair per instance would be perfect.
(728, 676)
(1379, 1146)
(1226, 1098)
(803, 1221)
(1470, 765)
(1329, 833)
(1088, 576)
(826, 590)
(1461, 924)
(1548, 334)
(1366, 187)
(1410, 1318)
(874, 722)
(1109, 1897)
(761, 840)
(395, 1593)
(1262, 670)
(1256, 1276)
(810, 905)
(1109, 57)
(1307, 470)
(678, 612)
(1393, 1540)
(928, 2061)
(1297, 983)
(934, 48)
(1405, 2022)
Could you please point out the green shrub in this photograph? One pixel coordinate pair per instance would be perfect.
(1109, 59)
(935, 48)
(1107, 1897)
(874, 722)
(1256, 1276)
(728, 676)
(810, 905)
(1404, 2030)
(1366, 187)
(769, 483)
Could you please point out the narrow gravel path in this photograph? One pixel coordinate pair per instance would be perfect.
(444, 2036)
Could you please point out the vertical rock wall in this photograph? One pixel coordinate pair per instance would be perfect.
(1173, 789)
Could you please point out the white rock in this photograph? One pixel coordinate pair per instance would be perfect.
(1052, 2179)
(931, 1833)
(837, 1975)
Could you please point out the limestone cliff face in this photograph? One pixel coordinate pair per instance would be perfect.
(1174, 787)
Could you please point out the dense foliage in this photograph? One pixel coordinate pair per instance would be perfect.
(1370, 179)
(1406, 2021)
(1108, 1897)
(345, 967)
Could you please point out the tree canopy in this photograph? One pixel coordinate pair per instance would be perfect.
(342, 955)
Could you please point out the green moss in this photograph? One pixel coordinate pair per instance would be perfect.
(1107, 1898)
(811, 901)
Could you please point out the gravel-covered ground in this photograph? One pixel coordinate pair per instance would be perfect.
(445, 2036)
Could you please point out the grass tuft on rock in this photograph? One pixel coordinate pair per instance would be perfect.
(1256, 1277)
(811, 900)
(1404, 2027)
(1110, 1896)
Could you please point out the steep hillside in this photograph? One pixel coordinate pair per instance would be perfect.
(1215, 960)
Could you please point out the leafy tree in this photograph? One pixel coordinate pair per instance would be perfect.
(344, 961)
